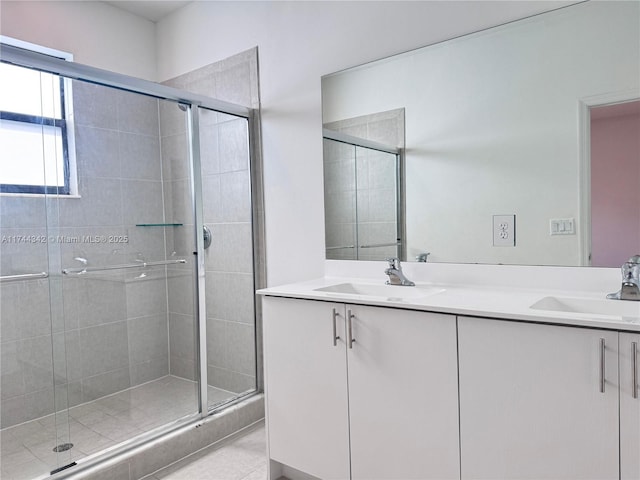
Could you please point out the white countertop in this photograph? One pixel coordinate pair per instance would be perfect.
(476, 300)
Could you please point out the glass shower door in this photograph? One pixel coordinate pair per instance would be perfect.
(35, 428)
(120, 253)
(229, 260)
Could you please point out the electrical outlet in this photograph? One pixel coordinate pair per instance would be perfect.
(504, 230)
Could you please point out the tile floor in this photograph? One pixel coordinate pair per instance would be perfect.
(243, 458)
(26, 450)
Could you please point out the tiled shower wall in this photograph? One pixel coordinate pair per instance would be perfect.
(360, 187)
(103, 333)
(228, 213)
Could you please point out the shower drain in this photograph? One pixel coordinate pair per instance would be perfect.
(63, 447)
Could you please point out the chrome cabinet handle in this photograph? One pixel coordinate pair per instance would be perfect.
(350, 339)
(602, 347)
(634, 369)
(336, 337)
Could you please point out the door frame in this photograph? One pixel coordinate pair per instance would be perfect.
(584, 160)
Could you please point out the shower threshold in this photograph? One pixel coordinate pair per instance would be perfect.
(28, 449)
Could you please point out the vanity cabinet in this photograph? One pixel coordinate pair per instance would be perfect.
(362, 392)
(629, 406)
(384, 406)
(541, 402)
(306, 387)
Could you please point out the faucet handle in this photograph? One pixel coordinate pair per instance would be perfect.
(394, 262)
(631, 269)
(422, 257)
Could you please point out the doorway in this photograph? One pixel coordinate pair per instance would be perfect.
(615, 182)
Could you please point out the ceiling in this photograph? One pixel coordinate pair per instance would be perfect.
(152, 10)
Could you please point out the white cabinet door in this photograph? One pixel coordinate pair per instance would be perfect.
(531, 405)
(629, 406)
(306, 387)
(403, 395)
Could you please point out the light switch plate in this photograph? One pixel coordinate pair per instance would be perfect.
(504, 230)
(562, 226)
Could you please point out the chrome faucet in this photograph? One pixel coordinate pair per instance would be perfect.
(630, 289)
(422, 257)
(396, 277)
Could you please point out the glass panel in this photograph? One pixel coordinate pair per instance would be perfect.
(377, 208)
(31, 154)
(33, 420)
(340, 200)
(230, 298)
(128, 268)
(103, 349)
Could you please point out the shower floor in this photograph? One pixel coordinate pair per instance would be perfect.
(27, 449)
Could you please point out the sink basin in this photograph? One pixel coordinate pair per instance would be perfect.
(389, 292)
(617, 308)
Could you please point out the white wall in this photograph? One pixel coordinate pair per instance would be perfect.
(96, 33)
(492, 128)
(298, 43)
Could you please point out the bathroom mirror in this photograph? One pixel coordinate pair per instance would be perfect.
(498, 133)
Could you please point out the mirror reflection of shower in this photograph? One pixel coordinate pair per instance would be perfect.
(362, 182)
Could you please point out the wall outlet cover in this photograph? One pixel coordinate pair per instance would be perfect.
(504, 230)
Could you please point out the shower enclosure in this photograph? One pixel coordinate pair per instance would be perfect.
(363, 198)
(126, 259)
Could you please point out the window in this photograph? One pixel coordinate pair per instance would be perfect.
(34, 130)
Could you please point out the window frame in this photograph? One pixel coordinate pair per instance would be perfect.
(64, 123)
